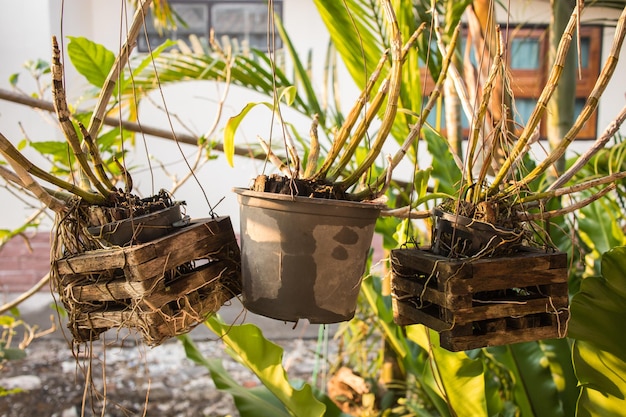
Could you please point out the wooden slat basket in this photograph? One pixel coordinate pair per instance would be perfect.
(480, 302)
(161, 288)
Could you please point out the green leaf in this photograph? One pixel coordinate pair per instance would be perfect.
(598, 309)
(229, 132)
(444, 169)
(599, 228)
(250, 402)
(459, 379)
(7, 321)
(91, 60)
(12, 354)
(288, 94)
(264, 358)
(559, 354)
(534, 389)
(597, 323)
(464, 382)
(13, 79)
(601, 376)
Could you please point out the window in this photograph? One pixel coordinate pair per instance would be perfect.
(528, 50)
(245, 21)
(527, 53)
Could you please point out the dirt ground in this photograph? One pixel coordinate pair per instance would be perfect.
(53, 382)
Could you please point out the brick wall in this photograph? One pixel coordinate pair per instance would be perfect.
(22, 266)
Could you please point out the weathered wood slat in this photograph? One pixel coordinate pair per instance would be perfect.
(492, 311)
(405, 314)
(117, 258)
(203, 247)
(220, 228)
(459, 343)
(492, 301)
(151, 289)
(138, 287)
(92, 261)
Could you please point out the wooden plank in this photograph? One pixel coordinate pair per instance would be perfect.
(408, 314)
(206, 278)
(493, 311)
(427, 263)
(523, 261)
(416, 289)
(519, 279)
(198, 231)
(207, 241)
(152, 290)
(114, 258)
(203, 247)
(460, 343)
(92, 261)
(115, 290)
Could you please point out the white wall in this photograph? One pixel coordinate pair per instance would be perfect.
(192, 103)
(25, 30)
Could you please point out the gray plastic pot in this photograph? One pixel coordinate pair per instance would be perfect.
(303, 258)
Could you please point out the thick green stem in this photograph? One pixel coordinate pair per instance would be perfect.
(392, 101)
(360, 131)
(10, 152)
(344, 132)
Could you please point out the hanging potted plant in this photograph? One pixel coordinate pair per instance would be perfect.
(490, 276)
(306, 232)
(119, 260)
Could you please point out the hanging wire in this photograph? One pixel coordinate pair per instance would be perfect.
(62, 58)
(271, 51)
(365, 72)
(170, 123)
(407, 230)
(132, 79)
(124, 19)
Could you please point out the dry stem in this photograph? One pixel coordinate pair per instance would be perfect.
(395, 80)
(120, 61)
(608, 133)
(12, 154)
(417, 127)
(537, 113)
(565, 210)
(588, 109)
(63, 114)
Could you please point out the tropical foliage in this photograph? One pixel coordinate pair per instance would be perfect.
(530, 379)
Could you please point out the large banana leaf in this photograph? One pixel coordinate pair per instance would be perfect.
(253, 402)
(599, 351)
(534, 389)
(460, 380)
(248, 346)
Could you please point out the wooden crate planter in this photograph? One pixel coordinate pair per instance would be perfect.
(162, 288)
(481, 302)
